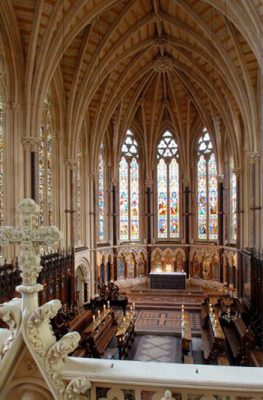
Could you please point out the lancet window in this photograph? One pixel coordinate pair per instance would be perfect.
(233, 185)
(45, 168)
(101, 197)
(129, 189)
(168, 188)
(1, 161)
(207, 189)
(78, 196)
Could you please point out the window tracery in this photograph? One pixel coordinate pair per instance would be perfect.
(168, 188)
(45, 168)
(129, 189)
(78, 196)
(233, 206)
(207, 189)
(101, 196)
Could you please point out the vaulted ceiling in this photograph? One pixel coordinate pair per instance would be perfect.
(146, 64)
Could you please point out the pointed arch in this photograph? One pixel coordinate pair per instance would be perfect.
(168, 187)
(129, 182)
(207, 197)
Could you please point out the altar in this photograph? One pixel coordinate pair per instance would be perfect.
(167, 280)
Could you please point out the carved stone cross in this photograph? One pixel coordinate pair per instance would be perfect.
(29, 236)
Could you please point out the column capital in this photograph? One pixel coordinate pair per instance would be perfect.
(30, 143)
(115, 181)
(11, 105)
(220, 178)
(253, 156)
(238, 170)
(149, 182)
(71, 163)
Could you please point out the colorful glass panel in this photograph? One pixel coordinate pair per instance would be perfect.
(1, 161)
(234, 206)
(49, 176)
(212, 177)
(202, 199)
(78, 197)
(45, 170)
(41, 177)
(124, 199)
(134, 200)
(174, 198)
(101, 198)
(162, 199)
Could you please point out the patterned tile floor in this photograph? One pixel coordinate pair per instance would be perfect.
(151, 321)
(156, 348)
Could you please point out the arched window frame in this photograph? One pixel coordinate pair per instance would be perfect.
(101, 190)
(168, 159)
(79, 205)
(128, 155)
(233, 203)
(206, 151)
(2, 160)
(46, 163)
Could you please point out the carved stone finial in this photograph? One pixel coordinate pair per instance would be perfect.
(76, 387)
(167, 395)
(29, 236)
(10, 313)
(60, 350)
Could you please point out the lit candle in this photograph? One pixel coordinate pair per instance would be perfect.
(133, 304)
(93, 318)
(108, 303)
(131, 308)
(104, 307)
(99, 314)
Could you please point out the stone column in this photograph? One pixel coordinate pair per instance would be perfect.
(114, 224)
(252, 199)
(149, 215)
(238, 172)
(71, 191)
(220, 210)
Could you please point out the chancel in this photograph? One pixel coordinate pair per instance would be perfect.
(131, 248)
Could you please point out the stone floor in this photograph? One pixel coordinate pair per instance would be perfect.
(164, 322)
(163, 349)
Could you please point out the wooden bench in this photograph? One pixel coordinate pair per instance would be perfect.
(206, 345)
(188, 359)
(233, 342)
(222, 360)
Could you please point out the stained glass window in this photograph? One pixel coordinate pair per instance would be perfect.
(79, 196)
(207, 189)
(1, 161)
(45, 169)
(101, 198)
(233, 206)
(168, 188)
(129, 189)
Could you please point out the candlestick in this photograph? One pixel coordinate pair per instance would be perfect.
(131, 308)
(133, 304)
